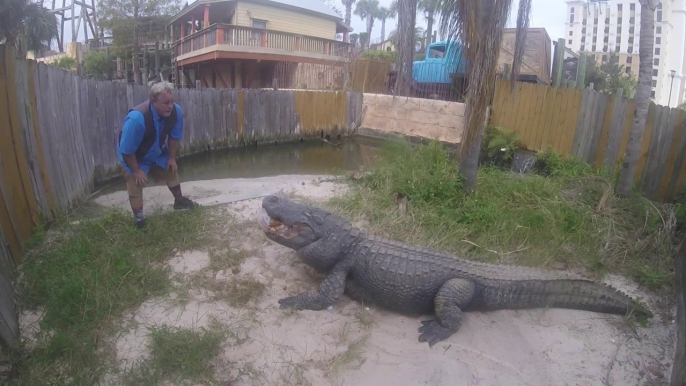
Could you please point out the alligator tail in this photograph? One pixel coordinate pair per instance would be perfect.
(578, 294)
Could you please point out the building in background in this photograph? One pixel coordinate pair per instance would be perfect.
(602, 27)
(253, 43)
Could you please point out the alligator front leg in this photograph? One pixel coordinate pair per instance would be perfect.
(327, 294)
(454, 295)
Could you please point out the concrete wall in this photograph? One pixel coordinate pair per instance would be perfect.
(426, 118)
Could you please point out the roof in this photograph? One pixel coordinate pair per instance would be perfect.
(314, 6)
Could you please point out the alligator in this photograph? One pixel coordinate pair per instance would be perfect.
(416, 280)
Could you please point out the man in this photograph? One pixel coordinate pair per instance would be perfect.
(143, 149)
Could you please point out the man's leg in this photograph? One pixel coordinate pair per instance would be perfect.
(135, 199)
(174, 185)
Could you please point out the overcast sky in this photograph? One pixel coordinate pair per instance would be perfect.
(548, 14)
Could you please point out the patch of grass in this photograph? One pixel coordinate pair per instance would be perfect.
(226, 258)
(567, 213)
(350, 358)
(85, 275)
(183, 353)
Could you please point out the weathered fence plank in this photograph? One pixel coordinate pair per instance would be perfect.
(595, 127)
(615, 133)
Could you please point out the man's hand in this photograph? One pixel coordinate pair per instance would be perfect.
(171, 165)
(140, 177)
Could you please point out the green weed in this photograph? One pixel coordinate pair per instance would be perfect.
(87, 274)
(568, 213)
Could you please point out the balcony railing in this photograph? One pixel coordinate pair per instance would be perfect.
(246, 38)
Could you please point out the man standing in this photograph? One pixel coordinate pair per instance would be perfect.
(143, 149)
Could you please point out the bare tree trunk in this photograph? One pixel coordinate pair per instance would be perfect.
(136, 70)
(645, 75)
(407, 17)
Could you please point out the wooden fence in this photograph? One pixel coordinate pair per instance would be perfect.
(594, 127)
(58, 138)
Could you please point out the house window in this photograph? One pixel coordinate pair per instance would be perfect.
(632, 7)
(619, 40)
(632, 20)
(658, 30)
(604, 58)
(657, 51)
(583, 47)
(607, 20)
(593, 49)
(617, 49)
(655, 72)
(259, 24)
(658, 40)
(630, 49)
(569, 41)
(571, 18)
(654, 83)
(572, 10)
(652, 94)
(619, 7)
(607, 29)
(656, 62)
(658, 12)
(629, 60)
(571, 33)
(627, 70)
(631, 40)
(631, 30)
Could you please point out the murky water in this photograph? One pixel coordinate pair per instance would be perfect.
(310, 157)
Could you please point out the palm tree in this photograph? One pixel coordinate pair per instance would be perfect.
(26, 25)
(368, 10)
(645, 76)
(348, 9)
(430, 8)
(385, 14)
(478, 25)
(407, 17)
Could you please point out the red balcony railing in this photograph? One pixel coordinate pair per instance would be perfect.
(246, 37)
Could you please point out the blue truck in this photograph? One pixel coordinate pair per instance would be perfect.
(440, 75)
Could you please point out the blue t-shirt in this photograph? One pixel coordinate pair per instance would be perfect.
(132, 135)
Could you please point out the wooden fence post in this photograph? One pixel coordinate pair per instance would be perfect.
(581, 72)
(559, 60)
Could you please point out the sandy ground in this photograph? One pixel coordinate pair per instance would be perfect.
(355, 345)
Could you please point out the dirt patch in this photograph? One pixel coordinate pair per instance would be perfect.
(352, 344)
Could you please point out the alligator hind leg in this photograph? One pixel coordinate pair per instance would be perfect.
(454, 295)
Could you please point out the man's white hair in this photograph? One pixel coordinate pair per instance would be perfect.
(160, 88)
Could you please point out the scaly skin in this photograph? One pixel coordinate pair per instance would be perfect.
(417, 280)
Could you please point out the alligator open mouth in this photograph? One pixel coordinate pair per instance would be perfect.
(276, 226)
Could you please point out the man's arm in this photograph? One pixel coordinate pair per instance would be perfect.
(131, 137)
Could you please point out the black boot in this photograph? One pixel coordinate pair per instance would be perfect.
(184, 203)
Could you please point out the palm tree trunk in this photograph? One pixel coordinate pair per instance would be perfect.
(645, 51)
(370, 26)
(348, 13)
(482, 57)
(383, 30)
(429, 28)
(407, 15)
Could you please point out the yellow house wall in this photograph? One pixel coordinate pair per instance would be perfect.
(281, 19)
